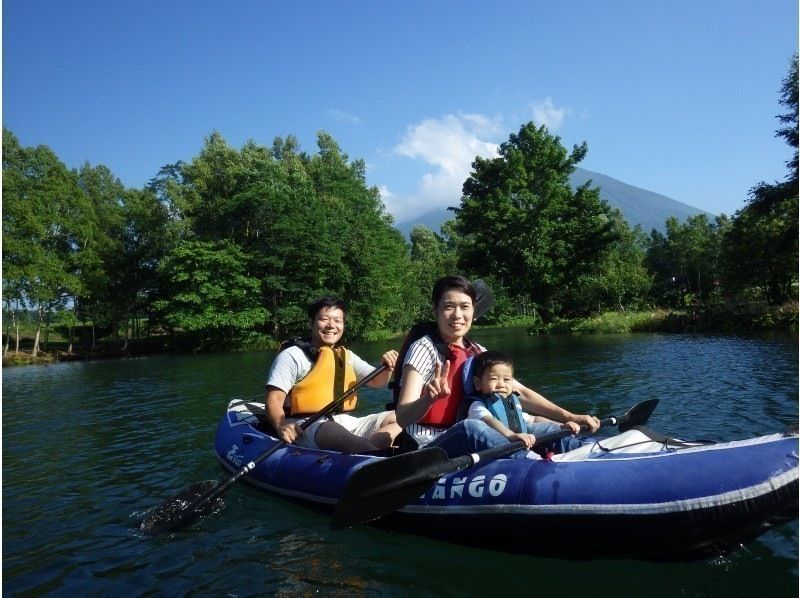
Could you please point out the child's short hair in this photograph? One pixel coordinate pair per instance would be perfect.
(487, 359)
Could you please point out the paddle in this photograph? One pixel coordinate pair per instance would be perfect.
(203, 498)
(380, 487)
(484, 298)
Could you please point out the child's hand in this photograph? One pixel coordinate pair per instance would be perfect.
(528, 439)
(571, 426)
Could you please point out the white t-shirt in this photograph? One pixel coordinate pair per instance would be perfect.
(478, 410)
(292, 365)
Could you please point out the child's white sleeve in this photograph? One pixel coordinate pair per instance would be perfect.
(477, 410)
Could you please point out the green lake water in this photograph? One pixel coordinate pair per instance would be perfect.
(88, 447)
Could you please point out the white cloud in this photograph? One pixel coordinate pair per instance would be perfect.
(448, 144)
(545, 113)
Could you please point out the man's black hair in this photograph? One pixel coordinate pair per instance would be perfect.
(323, 303)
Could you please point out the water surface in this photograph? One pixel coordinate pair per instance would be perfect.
(87, 447)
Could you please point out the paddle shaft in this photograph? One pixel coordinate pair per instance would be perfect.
(387, 485)
(465, 461)
(484, 303)
(636, 415)
(327, 410)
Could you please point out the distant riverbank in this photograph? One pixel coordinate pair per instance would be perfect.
(713, 319)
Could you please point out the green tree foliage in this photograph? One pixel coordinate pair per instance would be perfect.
(620, 279)
(761, 249)
(306, 226)
(147, 235)
(236, 242)
(209, 293)
(101, 245)
(47, 224)
(373, 257)
(432, 256)
(686, 261)
(521, 223)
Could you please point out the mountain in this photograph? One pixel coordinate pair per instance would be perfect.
(638, 206)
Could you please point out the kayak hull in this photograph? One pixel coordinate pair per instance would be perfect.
(682, 502)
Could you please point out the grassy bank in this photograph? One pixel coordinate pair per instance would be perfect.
(715, 319)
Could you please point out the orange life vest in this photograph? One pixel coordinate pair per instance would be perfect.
(330, 377)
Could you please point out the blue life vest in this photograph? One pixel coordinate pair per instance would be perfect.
(505, 409)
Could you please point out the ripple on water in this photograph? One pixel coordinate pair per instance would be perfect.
(89, 447)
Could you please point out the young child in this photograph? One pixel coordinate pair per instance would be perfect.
(496, 404)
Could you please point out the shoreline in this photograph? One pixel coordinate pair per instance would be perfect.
(708, 320)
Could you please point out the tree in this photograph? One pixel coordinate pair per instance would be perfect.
(374, 262)
(760, 252)
(210, 296)
(146, 238)
(101, 246)
(431, 258)
(46, 220)
(521, 222)
(620, 279)
(687, 260)
(306, 226)
(761, 249)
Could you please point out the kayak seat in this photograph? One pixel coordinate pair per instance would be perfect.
(252, 413)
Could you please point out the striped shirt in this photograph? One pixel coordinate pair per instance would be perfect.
(423, 356)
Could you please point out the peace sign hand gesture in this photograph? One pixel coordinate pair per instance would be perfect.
(439, 387)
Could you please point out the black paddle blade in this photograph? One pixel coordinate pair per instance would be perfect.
(384, 486)
(484, 301)
(182, 509)
(637, 415)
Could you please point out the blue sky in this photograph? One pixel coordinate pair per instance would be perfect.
(678, 97)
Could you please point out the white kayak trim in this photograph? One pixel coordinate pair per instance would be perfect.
(660, 508)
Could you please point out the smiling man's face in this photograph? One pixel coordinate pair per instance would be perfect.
(327, 327)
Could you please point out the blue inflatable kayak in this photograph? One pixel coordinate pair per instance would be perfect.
(635, 495)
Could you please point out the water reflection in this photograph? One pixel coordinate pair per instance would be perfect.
(87, 446)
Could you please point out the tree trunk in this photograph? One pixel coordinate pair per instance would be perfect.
(35, 351)
(127, 329)
(8, 332)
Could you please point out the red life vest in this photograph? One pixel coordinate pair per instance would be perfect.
(444, 412)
